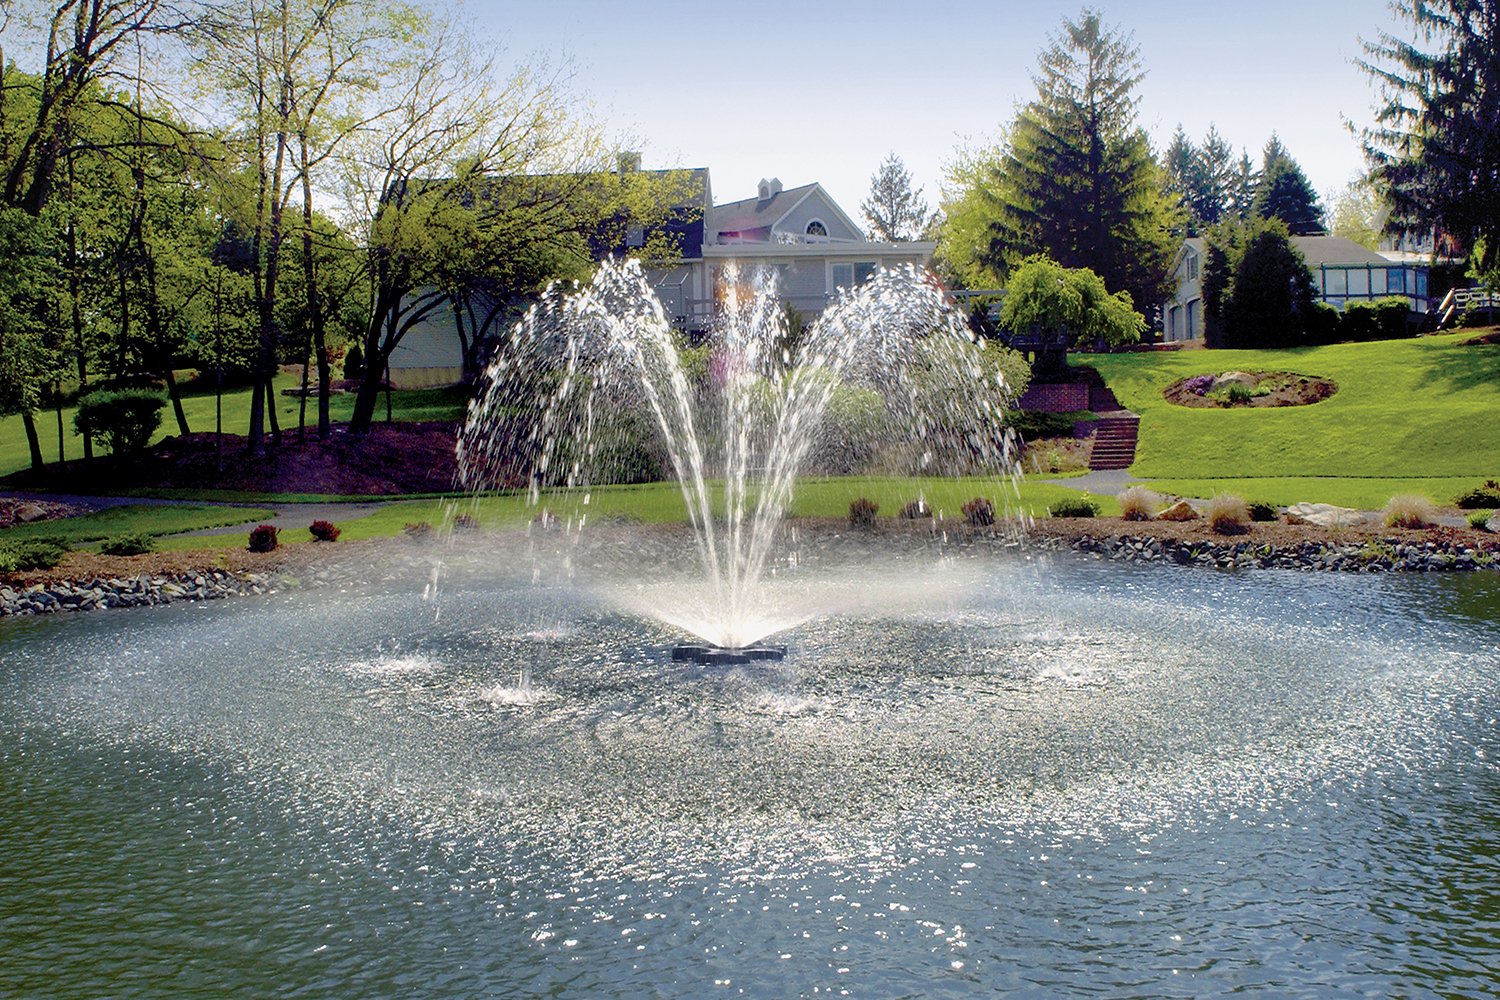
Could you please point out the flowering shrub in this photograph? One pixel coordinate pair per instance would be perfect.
(862, 512)
(1199, 384)
(979, 512)
(263, 538)
(324, 531)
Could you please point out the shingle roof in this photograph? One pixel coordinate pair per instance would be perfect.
(752, 213)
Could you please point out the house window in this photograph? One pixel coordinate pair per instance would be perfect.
(816, 228)
(1395, 281)
(853, 275)
(1192, 263)
(1335, 283)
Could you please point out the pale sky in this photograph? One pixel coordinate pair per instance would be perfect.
(823, 90)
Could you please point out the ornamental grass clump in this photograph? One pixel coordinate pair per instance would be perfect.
(862, 513)
(324, 531)
(979, 512)
(1227, 514)
(1409, 510)
(1138, 503)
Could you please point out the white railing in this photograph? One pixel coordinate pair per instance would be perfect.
(1463, 299)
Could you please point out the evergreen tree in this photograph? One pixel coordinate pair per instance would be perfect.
(1077, 179)
(1435, 147)
(1242, 188)
(894, 211)
(1284, 193)
(1257, 289)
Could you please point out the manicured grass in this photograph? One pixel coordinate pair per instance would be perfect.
(1361, 494)
(198, 405)
(130, 519)
(1404, 408)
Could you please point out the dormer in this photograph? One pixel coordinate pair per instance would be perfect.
(769, 188)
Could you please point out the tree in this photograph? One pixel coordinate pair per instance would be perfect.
(967, 210)
(1257, 289)
(1434, 150)
(27, 362)
(1077, 179)
(1202, 177)
(894, 211)
(1354, 213)
(1045, 296)
(1284, 193)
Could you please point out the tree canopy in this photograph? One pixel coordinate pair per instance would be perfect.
(894, 211)
(1075, 177)
(1045, 296)
(1257, 289)
(1434, 150)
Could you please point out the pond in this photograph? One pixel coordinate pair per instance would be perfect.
(1043, 776)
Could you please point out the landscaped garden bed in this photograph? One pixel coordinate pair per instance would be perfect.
(1235, 388)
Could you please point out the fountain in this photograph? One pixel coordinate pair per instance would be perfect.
(983, 772)
(583, 364)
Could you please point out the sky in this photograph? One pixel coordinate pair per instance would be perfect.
(825, 90)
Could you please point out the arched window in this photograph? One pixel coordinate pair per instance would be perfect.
(816, 228)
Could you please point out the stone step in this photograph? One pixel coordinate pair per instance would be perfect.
(1115, 440)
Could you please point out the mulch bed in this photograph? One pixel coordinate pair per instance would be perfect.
(1284, 389)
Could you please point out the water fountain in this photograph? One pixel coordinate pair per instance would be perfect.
(1033, 775)
(559, 393)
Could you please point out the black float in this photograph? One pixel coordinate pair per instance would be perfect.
(725, 654)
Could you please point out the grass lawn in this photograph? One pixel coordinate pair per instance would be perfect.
(130, 519)
(1421, 409)
(198, 403)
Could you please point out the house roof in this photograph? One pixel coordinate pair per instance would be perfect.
(1335, 250)
(753, 213)
(1316, 250)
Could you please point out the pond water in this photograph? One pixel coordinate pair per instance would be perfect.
(1045, 777)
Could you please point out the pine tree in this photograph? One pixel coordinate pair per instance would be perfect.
(1435, 148)
(1077, 179)
(1284, 193)
(894, 211)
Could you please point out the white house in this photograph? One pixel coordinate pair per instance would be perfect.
(814, 246)
(1342, 272)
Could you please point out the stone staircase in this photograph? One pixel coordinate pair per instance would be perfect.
(1114, 440)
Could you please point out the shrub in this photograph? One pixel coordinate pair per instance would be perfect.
(1138, 503)
(1260, 510)
(1227, 514)
(979, 512)
(421, 528)
(324, 531)
(128, 545)
(465, 522)
(1324, 323)
(915, 509)
(354, 364)
(862, 513)
(122, 421)
(33, 553)
(1199, 384)
(1409, 510)
(1238, 393)
(1479, 520)
(1035, 424)
(263, 538)
(1486, 496)
(1084, 506)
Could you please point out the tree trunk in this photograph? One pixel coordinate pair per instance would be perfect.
(29, 419)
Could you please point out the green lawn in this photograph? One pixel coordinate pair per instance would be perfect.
(130, 519)
(1422, 408)
(198, 405)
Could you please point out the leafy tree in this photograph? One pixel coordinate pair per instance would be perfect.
(967, 211)
(1257, 289)
(1284, 193)
(1354, 213)
(1045, 296)
(1434, 150)
(1077, 179)
(894, 211)
(27, 361)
